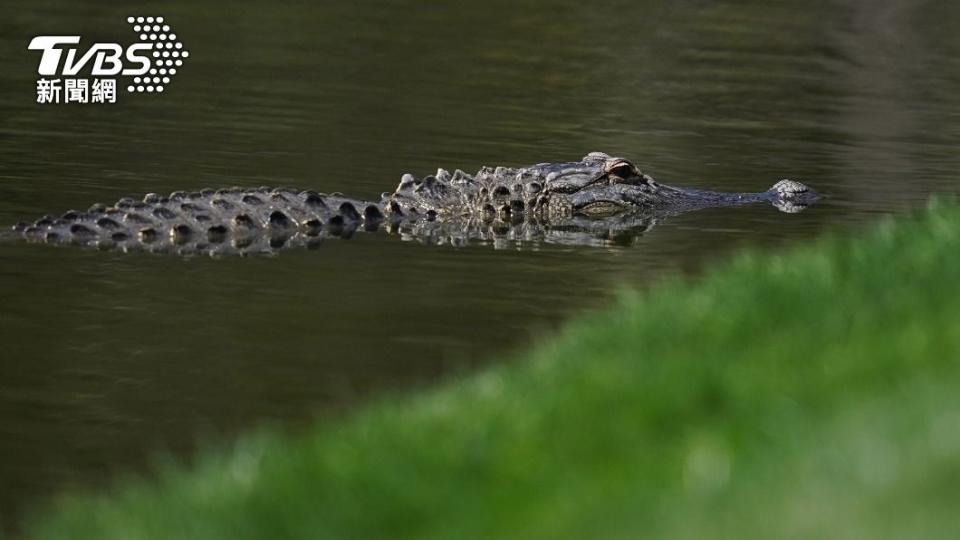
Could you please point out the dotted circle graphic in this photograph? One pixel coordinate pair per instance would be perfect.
(167, 52)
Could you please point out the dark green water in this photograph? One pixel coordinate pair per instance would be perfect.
(107, 358)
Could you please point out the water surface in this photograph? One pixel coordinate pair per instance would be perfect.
(109, 357)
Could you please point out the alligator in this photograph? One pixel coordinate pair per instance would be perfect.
(572, 202)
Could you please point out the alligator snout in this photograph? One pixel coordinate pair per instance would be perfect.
(791, 196)
(790, 188)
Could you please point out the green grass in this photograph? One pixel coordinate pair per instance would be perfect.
(814, 394)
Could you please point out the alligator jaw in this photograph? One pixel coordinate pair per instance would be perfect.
(791, 196)
(615, 198)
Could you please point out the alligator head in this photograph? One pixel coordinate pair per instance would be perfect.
(600, 185)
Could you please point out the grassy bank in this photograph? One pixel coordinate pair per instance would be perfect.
(811, 394)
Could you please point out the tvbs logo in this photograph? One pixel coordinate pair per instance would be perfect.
(151, 63)
(106, 57)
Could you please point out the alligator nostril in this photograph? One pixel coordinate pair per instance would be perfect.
(789, 188)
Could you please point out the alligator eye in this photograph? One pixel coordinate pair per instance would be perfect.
(621, 167)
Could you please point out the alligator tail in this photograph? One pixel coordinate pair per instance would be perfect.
(209, 217)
